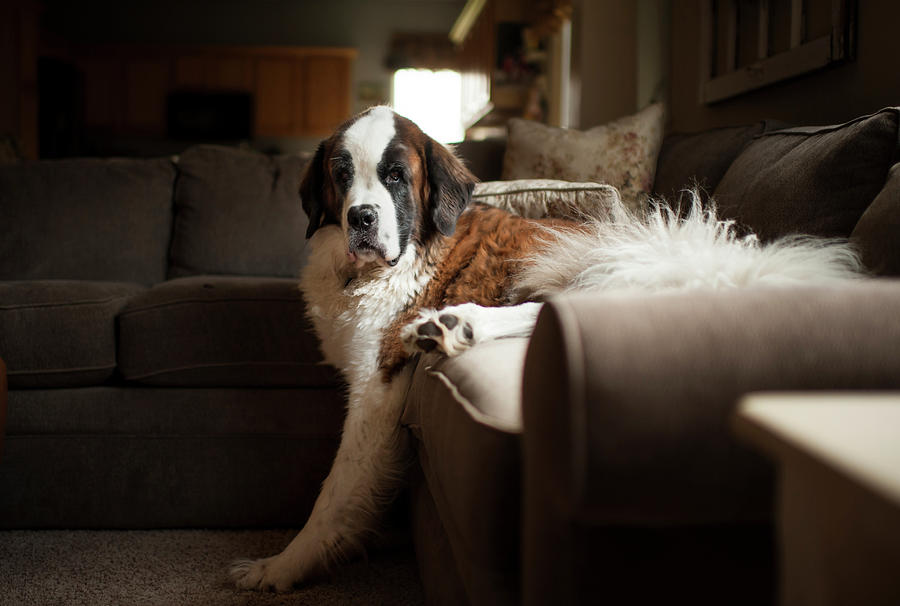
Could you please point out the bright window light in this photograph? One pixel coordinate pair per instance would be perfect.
(431, 99)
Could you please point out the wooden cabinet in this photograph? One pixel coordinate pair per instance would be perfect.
(275, 99)
(296, 91)
(143, 103)
(323, 78)
(213, 71)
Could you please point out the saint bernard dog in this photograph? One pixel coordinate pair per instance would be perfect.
(401, 262)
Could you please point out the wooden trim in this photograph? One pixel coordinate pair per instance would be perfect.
(804, 58)
(796, 23)
(762, 46)
(707, 47)
(731, 14)
(843, 29)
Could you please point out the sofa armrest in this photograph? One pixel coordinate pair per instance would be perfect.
(627, 404)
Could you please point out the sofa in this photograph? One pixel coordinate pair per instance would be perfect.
(616, 477)
(159, 359)
(162, 373)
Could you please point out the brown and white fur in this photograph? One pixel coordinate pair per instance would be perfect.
(402, 262)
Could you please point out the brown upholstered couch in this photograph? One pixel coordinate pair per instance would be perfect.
(617, 480)
(159, 364)
(158, 354)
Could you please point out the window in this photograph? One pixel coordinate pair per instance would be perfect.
(748, 44)
(431, 99)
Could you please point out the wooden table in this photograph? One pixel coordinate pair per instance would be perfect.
(838, 497)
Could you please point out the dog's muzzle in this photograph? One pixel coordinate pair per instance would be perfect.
(363, 227)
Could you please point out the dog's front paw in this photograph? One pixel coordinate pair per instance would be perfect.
(444, 331)
(267, 574)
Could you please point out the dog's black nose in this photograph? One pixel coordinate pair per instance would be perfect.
(362, 216)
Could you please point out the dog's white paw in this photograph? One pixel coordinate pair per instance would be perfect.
(267, 574)
(446, 331)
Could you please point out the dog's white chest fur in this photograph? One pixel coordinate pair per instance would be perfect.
(351, 308)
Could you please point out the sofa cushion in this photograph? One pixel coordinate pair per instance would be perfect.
(221, 331)
(59, 333)
(877, 234)
(622, 153)
(810, 180)
(700, 159)
(464, 413)
(237, 212)
(86, 219)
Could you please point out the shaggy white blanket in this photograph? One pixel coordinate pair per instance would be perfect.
(662, 251)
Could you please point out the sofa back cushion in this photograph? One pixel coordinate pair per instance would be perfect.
(237, 212)
(810, 180)
(86, 219)
(877, 233)
(700, 159)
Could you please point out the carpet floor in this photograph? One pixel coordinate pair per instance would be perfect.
(183, 567)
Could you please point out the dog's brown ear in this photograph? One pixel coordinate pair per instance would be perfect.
(450, 184)
(312, 194)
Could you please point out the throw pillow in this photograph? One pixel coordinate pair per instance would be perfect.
(621, 153)
(815, 180)
(538, 198)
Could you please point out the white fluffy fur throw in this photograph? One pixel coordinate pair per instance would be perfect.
(663, 252)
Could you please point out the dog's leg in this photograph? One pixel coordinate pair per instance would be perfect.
(454, 329)
(368, 468)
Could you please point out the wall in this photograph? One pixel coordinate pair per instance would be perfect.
(604, 61)
(18, 74)
(829, 96)
(362, 24)
(653, 32)
(619, 58)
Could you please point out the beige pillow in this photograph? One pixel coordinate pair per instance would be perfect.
(537, 198)
(621, 153)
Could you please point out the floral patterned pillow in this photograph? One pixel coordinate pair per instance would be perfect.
(621, 153)
(539, 198)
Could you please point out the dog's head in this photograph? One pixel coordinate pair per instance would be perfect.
(385, 183)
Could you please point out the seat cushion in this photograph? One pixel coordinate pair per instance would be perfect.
(221, 331)
(237, 212)
(465, 416)
(86, 219)
(810, 180)
(60, 333)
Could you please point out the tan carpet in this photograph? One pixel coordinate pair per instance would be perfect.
(182, 567)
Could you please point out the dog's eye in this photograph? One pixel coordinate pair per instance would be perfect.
(343, 175)
(395, 175)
